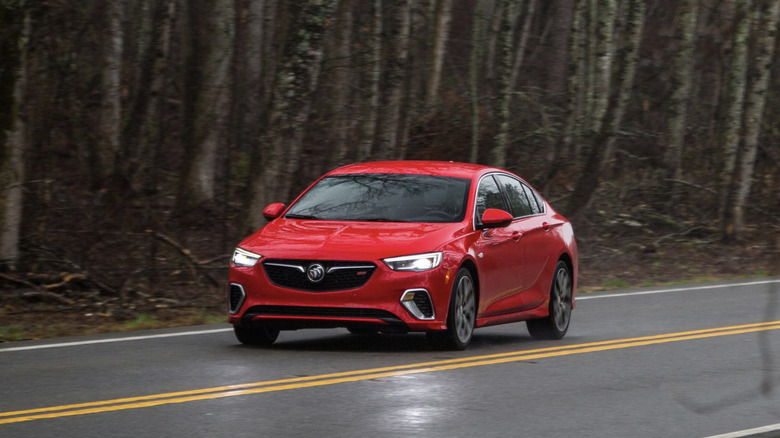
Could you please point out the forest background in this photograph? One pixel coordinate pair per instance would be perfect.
(139, 140)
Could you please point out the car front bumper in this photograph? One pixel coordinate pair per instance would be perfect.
(378, 304)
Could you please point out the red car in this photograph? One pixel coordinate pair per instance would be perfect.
(407, 246)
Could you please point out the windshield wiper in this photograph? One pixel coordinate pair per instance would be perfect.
(300, 216)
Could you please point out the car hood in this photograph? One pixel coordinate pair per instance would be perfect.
(336, 240)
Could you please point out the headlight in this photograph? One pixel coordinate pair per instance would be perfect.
(244, 258)
(415, 263)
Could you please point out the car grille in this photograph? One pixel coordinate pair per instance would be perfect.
(338, 275)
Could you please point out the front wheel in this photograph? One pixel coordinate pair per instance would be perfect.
(555, 325)
(257, 335)
(461, 316)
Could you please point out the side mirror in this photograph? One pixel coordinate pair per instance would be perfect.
(273, 211)
(495, 218)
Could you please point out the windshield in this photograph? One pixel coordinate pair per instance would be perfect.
(384, 198)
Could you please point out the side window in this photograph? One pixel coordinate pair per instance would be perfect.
(488, 196)
(537, 205)
(517, 197)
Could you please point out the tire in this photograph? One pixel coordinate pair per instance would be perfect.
(461, 315)
(256, 335)
(556, 324)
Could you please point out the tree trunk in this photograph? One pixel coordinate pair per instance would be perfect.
(682, 68)
(340, 85)
(576, 82)
(602, 61)
(522, 44)
(443, 16)
(598, 131)
(629, 55)
(274, 18)
(495, 12)
(479, 25)
(213, 32)
(247, 77)
(141, 127)
(371, 90)
(394, 80)
(765, 21)
(504, 84)
(562, 15)
(733, 122)
(106, 145)
(296, 81)
(13, 79)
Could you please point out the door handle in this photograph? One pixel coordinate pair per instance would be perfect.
(516, 235)
(545, 226)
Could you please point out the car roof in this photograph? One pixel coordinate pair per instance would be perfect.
(440, 168)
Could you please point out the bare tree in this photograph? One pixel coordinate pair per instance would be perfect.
(13, 80)
(681, 85)
(212, 30)
(765, 21)
(442, 18)
(504, 83)
(633, 21)
(606, 113)
(105, 142)
(373, 76)
(733, 122)
(522, 43)
(339, 83)
(143, 121)
(247, 74)
(562, 15)
(296, 80)
(395, 71)
(476, 53)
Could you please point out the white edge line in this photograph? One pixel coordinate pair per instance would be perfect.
(757, 432)
(110, 340)
(579, 296)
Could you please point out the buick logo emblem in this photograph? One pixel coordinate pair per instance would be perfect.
(315, 272)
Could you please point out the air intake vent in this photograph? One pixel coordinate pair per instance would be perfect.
(236, 297)
(418, 303)
(423, 302)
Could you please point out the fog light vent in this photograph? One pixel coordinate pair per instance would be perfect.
(236, 297)
(418, 303)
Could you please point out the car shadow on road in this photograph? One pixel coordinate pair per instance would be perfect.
(411, 343)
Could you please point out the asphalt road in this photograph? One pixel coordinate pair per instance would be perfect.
(689, 361)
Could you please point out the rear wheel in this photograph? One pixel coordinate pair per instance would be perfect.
(461, 316)
(258, 335)
(556, 324)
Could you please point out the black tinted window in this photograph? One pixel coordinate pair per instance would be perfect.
(385, 198)
(536, 202)
(521, 206)
(489, 196)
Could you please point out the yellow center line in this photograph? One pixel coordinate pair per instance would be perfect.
(368, 374)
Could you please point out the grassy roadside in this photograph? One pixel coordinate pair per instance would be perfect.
(45, 325)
